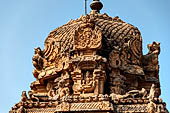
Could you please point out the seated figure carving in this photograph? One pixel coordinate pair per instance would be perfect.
(89, 85)
(38, 62)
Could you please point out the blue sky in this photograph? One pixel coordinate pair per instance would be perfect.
(24, 25)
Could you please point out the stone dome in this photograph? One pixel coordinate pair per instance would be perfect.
(115, 32)
(116, 35)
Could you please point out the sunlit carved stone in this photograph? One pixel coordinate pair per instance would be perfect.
(94, 64)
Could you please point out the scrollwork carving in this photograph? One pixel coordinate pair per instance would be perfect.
(87, 36)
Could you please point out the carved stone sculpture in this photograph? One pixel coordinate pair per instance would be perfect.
(131, 94)
(24, 97)
(151, 59)
(138, 93)
(151, 95)
(32, 97)
(21, 110)
(63, 91)
(151, 107)
(38, 61)
(94, 64)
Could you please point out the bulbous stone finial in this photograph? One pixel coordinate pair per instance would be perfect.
(96, 5)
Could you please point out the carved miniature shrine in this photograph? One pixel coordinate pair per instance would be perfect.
(94, 64)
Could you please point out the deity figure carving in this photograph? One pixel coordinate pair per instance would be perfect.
(50, 90)
(38, 61)
(31, 97)
(88, 79)
(24, 97)
(88, 85)
(152, 92)
(63, 91)
(118, 85)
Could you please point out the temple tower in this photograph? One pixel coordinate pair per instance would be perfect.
(94, 64)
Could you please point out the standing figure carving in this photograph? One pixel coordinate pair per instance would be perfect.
(152, 92)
